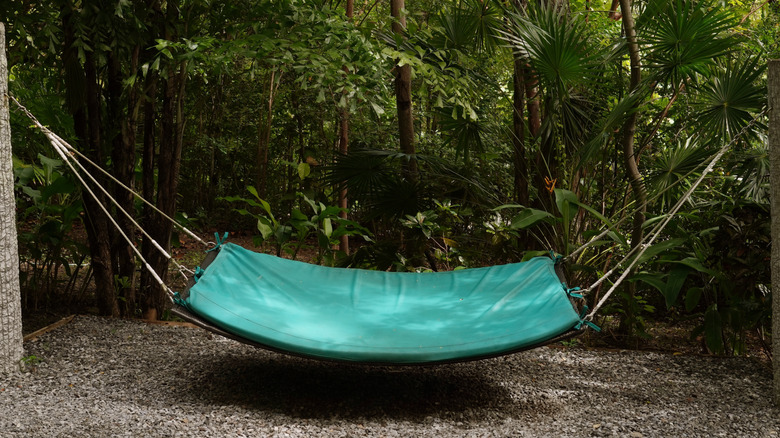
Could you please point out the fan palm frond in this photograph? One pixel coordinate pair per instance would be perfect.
(557, 46)
(463, 133)
(683, 38)
(728, 101)
(674, 167)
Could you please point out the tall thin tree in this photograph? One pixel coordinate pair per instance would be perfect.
(774, 155)
(627, 140)
(11, 349)
(344, 143)
(403, 95)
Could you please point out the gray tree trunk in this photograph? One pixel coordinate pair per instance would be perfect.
(774, 159)
(10, 299)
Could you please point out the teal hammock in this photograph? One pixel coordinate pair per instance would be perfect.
(379, 317)
(358, 315)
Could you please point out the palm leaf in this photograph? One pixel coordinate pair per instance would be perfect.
(727, 102)
(557, 45)
(674, 167)
(683, 38)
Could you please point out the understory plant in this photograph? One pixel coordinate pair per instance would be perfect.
(49, 207)
(311, 222)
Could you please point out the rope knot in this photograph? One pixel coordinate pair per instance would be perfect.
(585, 320)
(220, 241)
(571, 293)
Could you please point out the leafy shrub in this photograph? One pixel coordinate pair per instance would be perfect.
(49, 206)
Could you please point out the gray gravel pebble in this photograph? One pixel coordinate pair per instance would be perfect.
(101, 377)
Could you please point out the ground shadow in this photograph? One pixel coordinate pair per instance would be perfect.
(310, 389)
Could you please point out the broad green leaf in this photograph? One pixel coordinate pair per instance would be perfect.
(695, 264)
(692, 298)
(264, 228)
(32, 193)
(327, 227)
(658, 248)
(530, 217)
(377, 109)
(304, 169)
(505, 206)
(674, 284)
(49, 164)
(323, 241)
(564, 199)
(298, 215)
(58, 186)
(653, 279)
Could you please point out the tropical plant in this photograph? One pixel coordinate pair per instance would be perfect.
(52, 258)
(290, 236)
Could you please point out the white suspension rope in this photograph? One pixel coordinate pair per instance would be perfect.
(630, 215)
(78, 153)
(68, 154)
(650, 238)
(58, 144)
(67, 161)
(61, 147)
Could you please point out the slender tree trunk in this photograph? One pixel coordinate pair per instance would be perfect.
(518, 137)
(344, 145)
(343, 201)
(168, 165)
(627, 141)
(534, 129)
(613, 13)
(98, 230)
(403, 97)
(774, 160)
(629, 126)
(83, 101)
(152, 296)
(11, 350)
(264, 124)
(123, 164)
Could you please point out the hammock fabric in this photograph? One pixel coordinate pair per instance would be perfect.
(367, 316)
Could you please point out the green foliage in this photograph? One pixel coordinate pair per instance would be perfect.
(561, 232)
(289, 236)
(433, 231)
(730, 97)
(49, 208)
(683, 38)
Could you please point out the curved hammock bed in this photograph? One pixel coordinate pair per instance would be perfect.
(380, 317)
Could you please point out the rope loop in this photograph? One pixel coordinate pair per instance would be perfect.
(570, 292)
(198, 273)
(585, 320)
(179, 300)
(220, 241)
(586, 323)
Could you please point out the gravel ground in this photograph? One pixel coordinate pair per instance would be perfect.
(98, 377)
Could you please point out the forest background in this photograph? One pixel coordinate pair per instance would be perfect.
(430, 136)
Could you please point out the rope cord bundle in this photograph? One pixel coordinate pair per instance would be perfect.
(68, 154)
